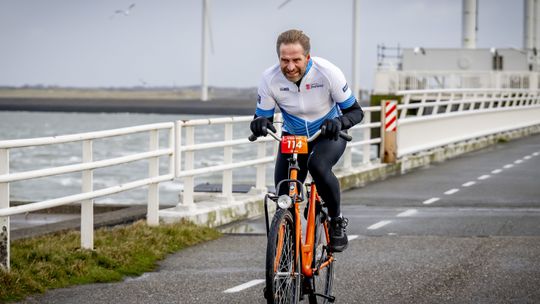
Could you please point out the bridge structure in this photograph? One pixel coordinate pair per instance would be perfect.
(431, 126)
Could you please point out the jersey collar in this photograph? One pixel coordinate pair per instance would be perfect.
(310, 63)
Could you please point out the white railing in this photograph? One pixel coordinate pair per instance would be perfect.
(181, 151)
(450, 115)
(454, 115)
(186, 147)
(88, 193)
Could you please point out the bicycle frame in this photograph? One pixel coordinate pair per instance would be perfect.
(304, 250)
(286, 221)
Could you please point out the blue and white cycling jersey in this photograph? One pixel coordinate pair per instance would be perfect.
(322, 93)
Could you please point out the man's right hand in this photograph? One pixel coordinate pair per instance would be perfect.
(260, 126)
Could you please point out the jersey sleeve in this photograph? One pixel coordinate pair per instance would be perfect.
(266, 103)
(340, 91)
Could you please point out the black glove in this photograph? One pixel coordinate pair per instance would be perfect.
(260, 125)
(330, 128)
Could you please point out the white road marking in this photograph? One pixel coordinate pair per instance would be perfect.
(484, 177)
(535, 154)
(468, 184)
(352, 237)
(496, 171)
(378, 225)
(527, 157)
(519, 161)
(508, 166)
(431, 200)
(407, 213)
(451, 191)
(244, 286)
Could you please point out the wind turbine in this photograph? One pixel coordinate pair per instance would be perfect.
(355, 46)
(206, 36)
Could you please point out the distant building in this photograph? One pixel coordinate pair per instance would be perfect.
(439, 68)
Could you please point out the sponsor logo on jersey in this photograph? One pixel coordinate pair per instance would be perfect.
(344, 89)
(284, 89)
(314, 85)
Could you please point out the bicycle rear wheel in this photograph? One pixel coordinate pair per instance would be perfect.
(282, 264)
(324, 280)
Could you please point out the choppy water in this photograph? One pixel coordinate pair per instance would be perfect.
(20, 125)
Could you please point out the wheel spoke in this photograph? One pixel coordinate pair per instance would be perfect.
(283, 277)
(322, 282)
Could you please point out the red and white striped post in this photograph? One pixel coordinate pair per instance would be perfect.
(389, 129)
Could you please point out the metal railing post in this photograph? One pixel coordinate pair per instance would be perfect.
(4, 221)
(178, 147)
(366, 152)
(152, 217)
(347, 158)
(405, 100)
(260, 181)
(172, 157)
(87, 206)
(189, 181)
(227, 183)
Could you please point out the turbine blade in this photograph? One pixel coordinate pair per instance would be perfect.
(283, 4)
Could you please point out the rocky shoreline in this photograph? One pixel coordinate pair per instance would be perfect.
(217, 106)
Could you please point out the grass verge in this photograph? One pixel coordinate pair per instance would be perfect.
(56, 260)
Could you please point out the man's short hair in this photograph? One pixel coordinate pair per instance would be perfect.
(294, 36)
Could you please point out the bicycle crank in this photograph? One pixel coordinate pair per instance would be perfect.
(330, 299)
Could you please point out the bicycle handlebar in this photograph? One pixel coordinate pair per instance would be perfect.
(342, 134)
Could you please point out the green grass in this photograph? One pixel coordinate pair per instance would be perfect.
(56, 260)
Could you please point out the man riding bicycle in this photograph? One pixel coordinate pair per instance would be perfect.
(311, 93)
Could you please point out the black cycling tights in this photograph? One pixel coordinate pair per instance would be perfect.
(323, 154)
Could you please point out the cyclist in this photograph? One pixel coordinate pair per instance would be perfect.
(311, 93)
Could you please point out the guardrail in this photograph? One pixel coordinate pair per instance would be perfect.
(86, 167)
(186, 152)
(181, 151)
(453, 115)
(448, 114)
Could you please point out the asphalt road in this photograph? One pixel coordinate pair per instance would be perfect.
(463, 231)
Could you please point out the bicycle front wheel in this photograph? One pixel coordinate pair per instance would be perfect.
(324, 280)
(282, 263)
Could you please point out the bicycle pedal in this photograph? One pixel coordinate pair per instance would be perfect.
(330, 299)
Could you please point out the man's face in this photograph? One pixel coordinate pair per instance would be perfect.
(292, 61)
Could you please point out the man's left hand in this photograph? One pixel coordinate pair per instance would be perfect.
(330, 128)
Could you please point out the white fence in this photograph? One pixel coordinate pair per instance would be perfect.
(186, 151)
(86, 168)
(434, 118)
(449, 115)
(181, 151)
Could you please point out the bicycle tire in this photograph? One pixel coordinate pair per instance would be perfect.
(324, 280)
(283, 274)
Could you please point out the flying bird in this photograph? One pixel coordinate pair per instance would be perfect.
(124, 12)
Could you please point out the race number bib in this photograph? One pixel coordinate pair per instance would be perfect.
(294, 144)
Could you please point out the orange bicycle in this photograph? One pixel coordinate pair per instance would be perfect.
(296, 267)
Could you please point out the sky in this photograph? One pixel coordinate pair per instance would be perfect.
(81, 43)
